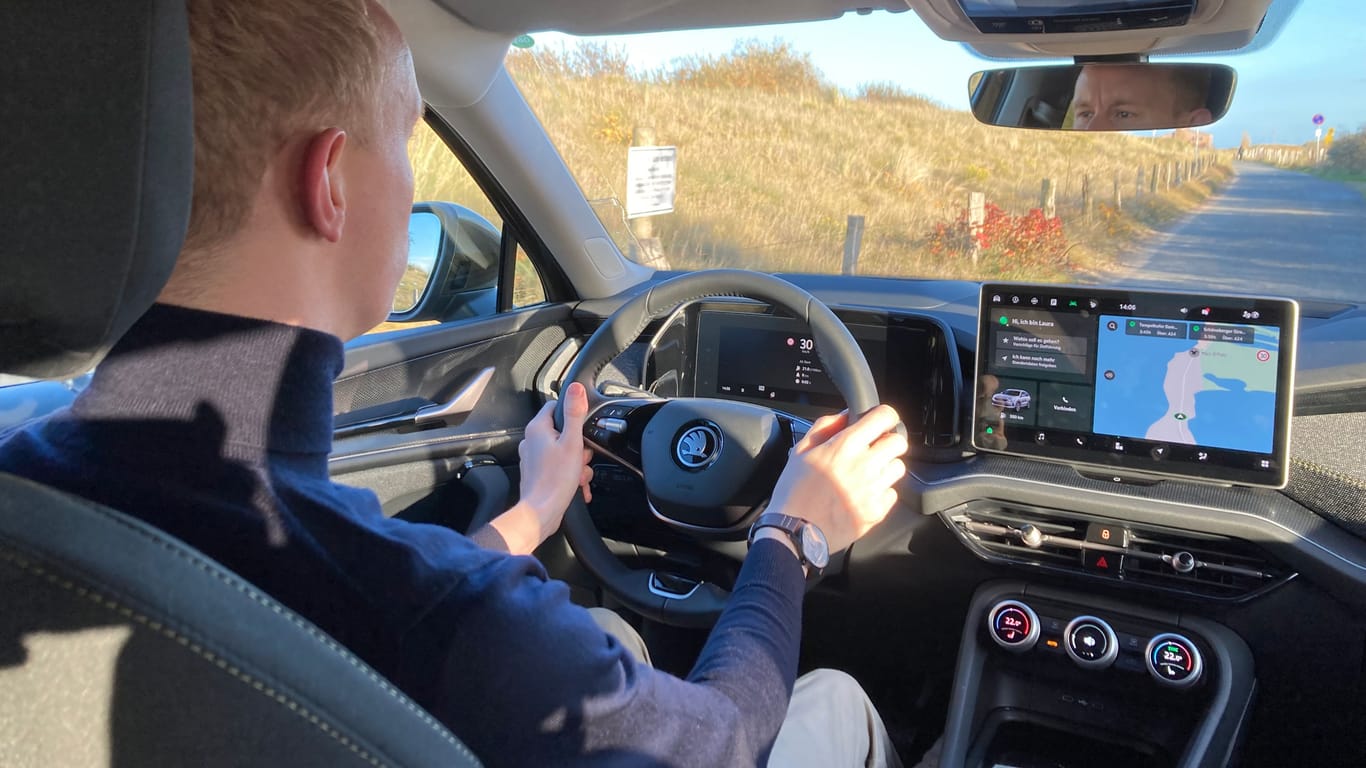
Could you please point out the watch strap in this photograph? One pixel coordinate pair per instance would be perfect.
(790, 525)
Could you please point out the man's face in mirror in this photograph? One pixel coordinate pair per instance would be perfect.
(1131, 97)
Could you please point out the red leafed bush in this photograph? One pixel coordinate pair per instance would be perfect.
(1028, 239)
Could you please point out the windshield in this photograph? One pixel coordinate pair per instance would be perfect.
(848, 146)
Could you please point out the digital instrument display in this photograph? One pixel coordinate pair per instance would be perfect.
(763, 358)
(772, 360)
(1187, 385)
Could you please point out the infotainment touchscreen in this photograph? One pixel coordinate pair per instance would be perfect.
(1152, 383)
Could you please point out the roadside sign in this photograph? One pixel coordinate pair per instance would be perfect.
(1328, 139)
(651, 179)
(1318, 119)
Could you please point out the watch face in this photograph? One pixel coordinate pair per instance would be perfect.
(814, 547)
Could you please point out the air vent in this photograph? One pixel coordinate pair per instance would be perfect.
(1002, 532)
(1213, 566)
(1203, 565)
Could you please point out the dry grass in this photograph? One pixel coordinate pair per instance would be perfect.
(772, 161)
(768, 176)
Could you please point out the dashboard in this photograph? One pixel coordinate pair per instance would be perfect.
(1182, 533)
(1125, 384)
(1012, 499)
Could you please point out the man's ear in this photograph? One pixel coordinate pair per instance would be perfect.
(1199, 117)
(323, 192)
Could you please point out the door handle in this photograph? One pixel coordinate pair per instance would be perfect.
(456, 409)
(459, 406)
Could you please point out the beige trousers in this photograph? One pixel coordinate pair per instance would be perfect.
(830, 721)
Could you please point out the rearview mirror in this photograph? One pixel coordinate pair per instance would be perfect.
(1103, 96)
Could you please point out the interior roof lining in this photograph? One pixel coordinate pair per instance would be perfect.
(611, 17)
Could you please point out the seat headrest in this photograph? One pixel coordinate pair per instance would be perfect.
(96, 165)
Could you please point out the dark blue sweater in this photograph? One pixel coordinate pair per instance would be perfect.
(217, 429)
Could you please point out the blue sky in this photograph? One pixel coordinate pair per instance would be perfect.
(1316, 65)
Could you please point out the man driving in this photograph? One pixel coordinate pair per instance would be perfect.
(212, 419)
(1129, 97)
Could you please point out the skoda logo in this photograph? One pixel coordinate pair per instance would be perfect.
(698, 446)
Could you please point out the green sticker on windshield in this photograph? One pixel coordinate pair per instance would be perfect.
(523, 41)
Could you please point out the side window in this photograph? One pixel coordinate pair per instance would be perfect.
(527, 288)
(455, 237)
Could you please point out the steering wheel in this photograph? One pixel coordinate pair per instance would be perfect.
(708, 465)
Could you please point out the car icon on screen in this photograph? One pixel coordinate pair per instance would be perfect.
(1011, 399)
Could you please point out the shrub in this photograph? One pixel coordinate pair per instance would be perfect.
(584, 61)
(1028, 240)
(773, 67)
(1349, 153)
(890, 92)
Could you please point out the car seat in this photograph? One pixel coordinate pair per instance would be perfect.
(120, 645)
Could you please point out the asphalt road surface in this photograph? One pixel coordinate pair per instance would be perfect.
(1271, 232)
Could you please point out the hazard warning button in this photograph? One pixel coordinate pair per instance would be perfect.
(1104, 563)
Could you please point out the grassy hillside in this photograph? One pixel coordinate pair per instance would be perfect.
(771, 161)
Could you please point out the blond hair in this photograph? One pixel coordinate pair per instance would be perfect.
(265, 71)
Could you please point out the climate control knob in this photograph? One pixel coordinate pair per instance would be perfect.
(1174, 661)
(1091, 642)
(1013, 625)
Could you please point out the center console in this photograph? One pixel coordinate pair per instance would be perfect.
(1050, 678)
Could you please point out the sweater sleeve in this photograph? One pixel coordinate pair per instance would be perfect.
(489, 538)
(530, 679)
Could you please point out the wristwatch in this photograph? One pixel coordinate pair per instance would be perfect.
(808, 539)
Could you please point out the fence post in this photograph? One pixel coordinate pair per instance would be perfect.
(1156, 180)
(1119, 193)
(1048, 200)
(1086, 197)
(1139, 186)
(977, 217)
(853, 243)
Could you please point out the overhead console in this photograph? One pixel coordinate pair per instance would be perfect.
(1021, 29)
(992, 17)
(1137, 384)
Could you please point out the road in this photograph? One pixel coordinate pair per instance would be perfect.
(1271, 232)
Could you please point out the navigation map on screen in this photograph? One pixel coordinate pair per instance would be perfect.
(1187, 382)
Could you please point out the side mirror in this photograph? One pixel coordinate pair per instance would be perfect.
(1103, 96)
(453, 257)
(424, 247)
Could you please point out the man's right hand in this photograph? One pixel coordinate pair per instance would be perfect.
(840, 476)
